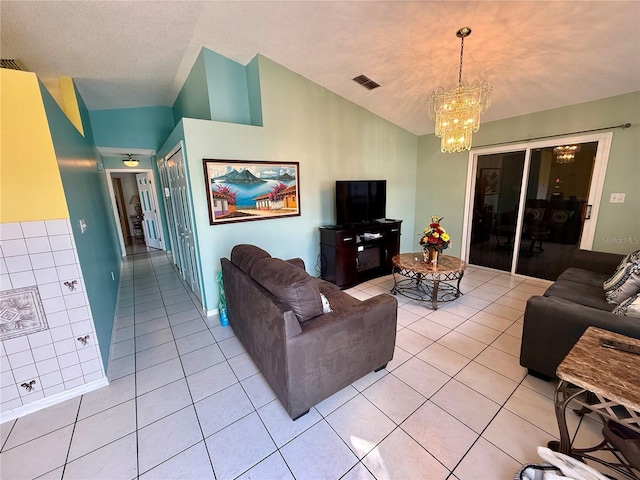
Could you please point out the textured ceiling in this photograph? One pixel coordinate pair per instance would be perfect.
(537, 55)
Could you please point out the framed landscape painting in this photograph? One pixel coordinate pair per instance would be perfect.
(240, 191)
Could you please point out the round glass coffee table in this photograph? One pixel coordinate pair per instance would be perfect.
(425, 281)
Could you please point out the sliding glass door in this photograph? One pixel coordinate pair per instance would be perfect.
(495, 209)
(554, 209)
(530, 208)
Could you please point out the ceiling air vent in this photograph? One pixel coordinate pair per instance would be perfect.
(366, 82)
(10, 64)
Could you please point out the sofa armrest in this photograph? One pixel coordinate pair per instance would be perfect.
(600, 262)
(553, 325)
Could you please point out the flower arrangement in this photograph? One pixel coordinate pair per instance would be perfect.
(434, 236)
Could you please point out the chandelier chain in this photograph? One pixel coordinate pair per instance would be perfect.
(461, 50)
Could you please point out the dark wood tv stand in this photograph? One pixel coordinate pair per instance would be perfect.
(353, 254)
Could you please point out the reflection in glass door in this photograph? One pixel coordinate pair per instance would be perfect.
(495, 209)
(555, 202)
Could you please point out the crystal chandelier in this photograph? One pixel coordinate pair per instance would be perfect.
(457, 110)
(566, 153)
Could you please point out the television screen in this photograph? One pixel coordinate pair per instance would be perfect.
(359, 201)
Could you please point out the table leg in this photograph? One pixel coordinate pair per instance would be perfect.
(394, 289)
(560, 404)
(458, 293)
(434, 294)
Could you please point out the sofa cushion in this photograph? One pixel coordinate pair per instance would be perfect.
(289, 284)
(244, 256)
(586, 277)
(623, 284)
(580, 293)
(630, 307)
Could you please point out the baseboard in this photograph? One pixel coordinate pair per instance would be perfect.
(212, 312)
(53, 400)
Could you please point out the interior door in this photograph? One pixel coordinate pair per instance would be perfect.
(181, 205)
(165, 186)
(149, 211)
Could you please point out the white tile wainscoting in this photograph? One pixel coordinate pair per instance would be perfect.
(50, 360)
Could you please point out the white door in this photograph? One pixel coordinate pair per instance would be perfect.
(170, 215)
(149, 212)
(180, 200)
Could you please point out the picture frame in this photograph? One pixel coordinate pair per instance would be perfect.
(243, 191)
(490, 180)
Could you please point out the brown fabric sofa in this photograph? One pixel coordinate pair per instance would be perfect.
(275, 310)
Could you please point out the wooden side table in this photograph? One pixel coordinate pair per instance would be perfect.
(423, 279)
(603, 381)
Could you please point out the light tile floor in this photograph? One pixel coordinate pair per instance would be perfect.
(186, 401)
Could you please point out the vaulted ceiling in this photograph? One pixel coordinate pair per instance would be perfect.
(537, 55)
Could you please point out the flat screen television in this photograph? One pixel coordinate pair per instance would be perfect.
(360, 201)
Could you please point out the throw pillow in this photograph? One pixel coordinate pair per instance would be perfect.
(326, 306)
(630, 307)
(623, 284)
(291, 285)
(633, 257)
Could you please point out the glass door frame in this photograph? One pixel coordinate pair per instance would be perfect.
(595, 189)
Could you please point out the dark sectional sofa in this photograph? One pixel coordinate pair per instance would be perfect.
(276, 311)
(554, 322)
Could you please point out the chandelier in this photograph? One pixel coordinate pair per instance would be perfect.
(566, 153)
(457, 110)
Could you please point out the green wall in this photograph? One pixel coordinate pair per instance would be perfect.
(217, 88)
(87, 197)
(253, 89)
(227, 86)
(441, 177)
(193, 99)
(331, 138)
(142, 127)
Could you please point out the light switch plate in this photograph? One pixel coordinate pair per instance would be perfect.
(617, 198)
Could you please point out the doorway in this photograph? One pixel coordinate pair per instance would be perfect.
(531, 207)
(133, 202)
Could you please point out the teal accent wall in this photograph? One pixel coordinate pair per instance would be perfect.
(227, 86)
(253, 88)
(441, 177)
(217, 88)
(142, 127)
(87, 197)
(331, 138)
(193, 99)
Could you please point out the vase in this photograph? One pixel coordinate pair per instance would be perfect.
(433, 256)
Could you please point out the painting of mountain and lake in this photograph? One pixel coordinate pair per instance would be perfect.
(239, 190)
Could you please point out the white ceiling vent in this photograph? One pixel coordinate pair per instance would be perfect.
(366, 82)
(11, 64)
